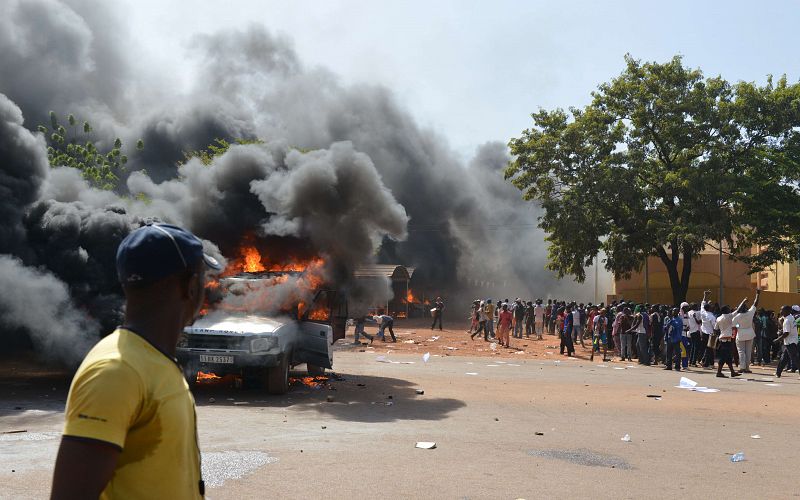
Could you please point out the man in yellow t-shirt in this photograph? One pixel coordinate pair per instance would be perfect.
(130, 429)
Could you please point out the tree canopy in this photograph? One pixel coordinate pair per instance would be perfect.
(662, 162)
(74, 146)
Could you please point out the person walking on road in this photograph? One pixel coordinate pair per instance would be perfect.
(789, 339)
(504, 319)
(519, 318)
(130, 428)
(438, 310)
(566, 333)
(673, 332)
(539, 313)
(488, 309)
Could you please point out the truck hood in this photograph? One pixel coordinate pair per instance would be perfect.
(215, 324)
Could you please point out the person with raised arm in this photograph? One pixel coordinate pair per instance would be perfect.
(745, 334)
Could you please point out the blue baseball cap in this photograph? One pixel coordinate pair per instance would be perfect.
(156, 251)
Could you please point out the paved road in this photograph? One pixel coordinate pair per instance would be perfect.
(484, 425)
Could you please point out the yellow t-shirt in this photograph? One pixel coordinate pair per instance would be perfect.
(129, 394)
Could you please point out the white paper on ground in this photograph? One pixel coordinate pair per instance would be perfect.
(703, 389)
(686, 383)
(425, 445)
(470, 373)
(426, 357)
(382, 359)
(773, 385)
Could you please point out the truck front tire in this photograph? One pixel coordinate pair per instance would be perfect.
(277, 377)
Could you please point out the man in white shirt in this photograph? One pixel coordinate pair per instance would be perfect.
(745, 335)
(538, 317)
(789, 337)
(708, 321)
(697, 348)
(577, 334)
(725, 342)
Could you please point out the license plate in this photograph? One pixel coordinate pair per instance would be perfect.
(207, 358)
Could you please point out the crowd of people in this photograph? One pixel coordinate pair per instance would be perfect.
(689, 334)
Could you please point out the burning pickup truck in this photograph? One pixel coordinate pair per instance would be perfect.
(258, 325)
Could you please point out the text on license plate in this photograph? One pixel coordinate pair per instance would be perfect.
(208, 358)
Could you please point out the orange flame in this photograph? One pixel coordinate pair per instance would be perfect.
(252, 260)
(313, 382)
(203, 377)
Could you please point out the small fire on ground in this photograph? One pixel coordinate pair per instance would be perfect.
(312, 382)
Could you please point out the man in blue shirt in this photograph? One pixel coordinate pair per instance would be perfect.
(673, 336)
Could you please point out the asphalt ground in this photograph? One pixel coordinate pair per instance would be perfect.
(504, 427)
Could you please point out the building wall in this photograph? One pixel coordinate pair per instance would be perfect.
(782, 277)
(737, 282)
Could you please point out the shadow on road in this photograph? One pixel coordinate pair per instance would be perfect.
(352, 398)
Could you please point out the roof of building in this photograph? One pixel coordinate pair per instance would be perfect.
(393, 271)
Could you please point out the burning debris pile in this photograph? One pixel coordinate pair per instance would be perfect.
(342, 172)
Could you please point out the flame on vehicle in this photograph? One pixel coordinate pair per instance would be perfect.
(207, 377)
(288, 294)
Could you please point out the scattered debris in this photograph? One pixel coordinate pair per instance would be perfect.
(420, 391)
(687, 383)
(496, 419)
(324, 426)
(538, 433)
(240, 403)
(426, 357)
(450, 348)
(425, 445)
(493, 346)
(626, 438)
(212, 400)
(329, 399)
(471, 373)
(737, 457)
(654, 395)
(14, 432)
(755, 436)
(361, 385)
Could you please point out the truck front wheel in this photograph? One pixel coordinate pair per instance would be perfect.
(277, 377)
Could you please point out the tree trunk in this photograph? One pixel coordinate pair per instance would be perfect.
(678, 283)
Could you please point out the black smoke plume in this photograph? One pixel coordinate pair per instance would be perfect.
(345, 172)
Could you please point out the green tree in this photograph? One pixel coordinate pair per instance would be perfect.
(663, 162)
(215, 149)
(74, 146)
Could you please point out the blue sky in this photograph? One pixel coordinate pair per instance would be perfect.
(474, 71)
